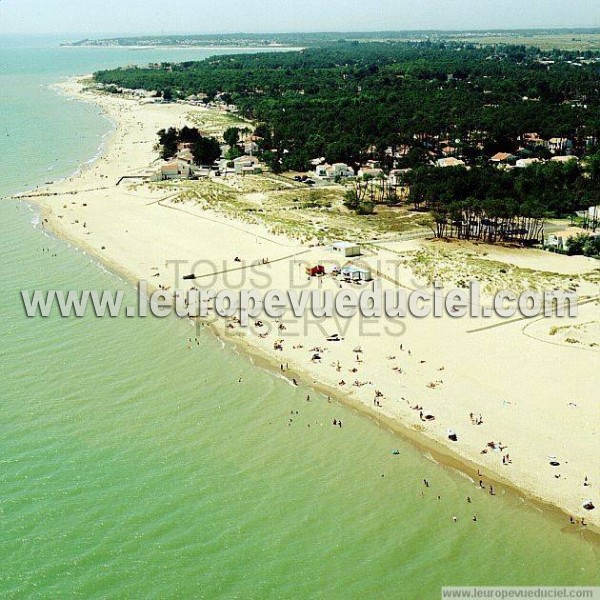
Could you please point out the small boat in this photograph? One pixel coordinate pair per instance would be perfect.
(191, 276)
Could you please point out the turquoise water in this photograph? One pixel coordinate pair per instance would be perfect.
(134, 465)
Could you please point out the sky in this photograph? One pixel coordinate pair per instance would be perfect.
(129, 17)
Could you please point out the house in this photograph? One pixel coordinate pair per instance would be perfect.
(534, 139)
(449, 150)
(564, 159)
(523, 163)
(370, 172)
(342, 170)
(502, 157)
(450, 161)
(373, 164)
(327, 171)
(186, 156)
(556, 145)
(246, 165)
(396, 176)
(176, 169)
(347, 249)
(356, 273)
(323, 171)
(225, 166)
(397, 151)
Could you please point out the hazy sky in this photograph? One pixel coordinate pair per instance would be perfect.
(211, 16)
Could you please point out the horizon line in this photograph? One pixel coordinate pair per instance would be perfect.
(115, 35)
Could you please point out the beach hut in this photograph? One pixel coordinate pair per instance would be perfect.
(356, 273)
(347, 249)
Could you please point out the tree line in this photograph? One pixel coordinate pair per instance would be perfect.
(343, 100)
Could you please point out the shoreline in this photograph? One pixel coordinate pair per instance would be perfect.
(448, 456)
(430, 449)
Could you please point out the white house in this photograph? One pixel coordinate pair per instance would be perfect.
(327, 171)
(450, 161)
(246, 164)
(323, 171)
(523, 163)
(356, 273)
(342, 170)
(347, 249)
(176, 169)
(564, 159)
(370, 172)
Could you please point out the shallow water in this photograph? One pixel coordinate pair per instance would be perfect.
(133, 463)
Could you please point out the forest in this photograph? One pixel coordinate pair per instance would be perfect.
(350, 102)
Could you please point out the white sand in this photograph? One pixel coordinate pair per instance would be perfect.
(538, 398)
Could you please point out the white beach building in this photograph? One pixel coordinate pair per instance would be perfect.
(346, 249)
(356, 273)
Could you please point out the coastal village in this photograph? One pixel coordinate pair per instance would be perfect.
(236, 218)
(385, 181)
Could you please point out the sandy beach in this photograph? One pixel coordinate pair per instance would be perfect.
(522, 388)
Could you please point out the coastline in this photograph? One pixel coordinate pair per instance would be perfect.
(397, 418)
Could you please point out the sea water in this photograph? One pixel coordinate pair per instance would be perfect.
(134, 463)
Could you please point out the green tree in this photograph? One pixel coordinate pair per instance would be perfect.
(206, 151)
(232, 136)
